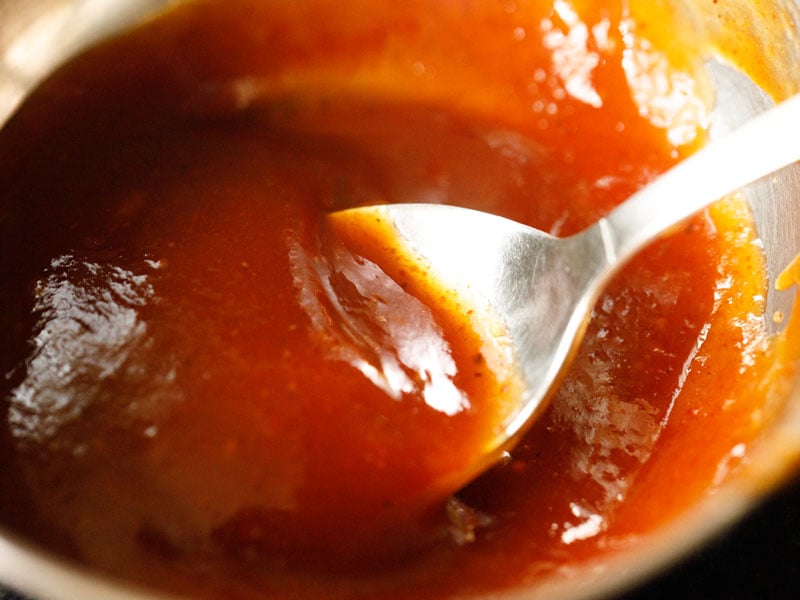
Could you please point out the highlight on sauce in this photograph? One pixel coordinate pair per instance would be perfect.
(209, 393)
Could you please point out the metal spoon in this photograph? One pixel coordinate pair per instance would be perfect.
(543, 287)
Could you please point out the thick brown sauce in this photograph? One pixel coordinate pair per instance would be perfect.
(197, 382)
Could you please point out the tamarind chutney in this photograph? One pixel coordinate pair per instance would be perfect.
(206, 392)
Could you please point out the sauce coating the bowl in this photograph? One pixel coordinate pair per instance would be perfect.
(206, 392)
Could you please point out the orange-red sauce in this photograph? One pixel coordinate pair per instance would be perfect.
(207, 393)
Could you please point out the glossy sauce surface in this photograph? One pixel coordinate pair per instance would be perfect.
(207, 392)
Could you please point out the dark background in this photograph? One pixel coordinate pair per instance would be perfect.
(760, 558)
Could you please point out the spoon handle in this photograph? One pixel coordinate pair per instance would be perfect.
(763, 145)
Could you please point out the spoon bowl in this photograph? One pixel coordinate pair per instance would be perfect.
(543, 288)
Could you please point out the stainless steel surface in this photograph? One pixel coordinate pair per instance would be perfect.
(771, 198)
(543, 288)
(36, 37)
